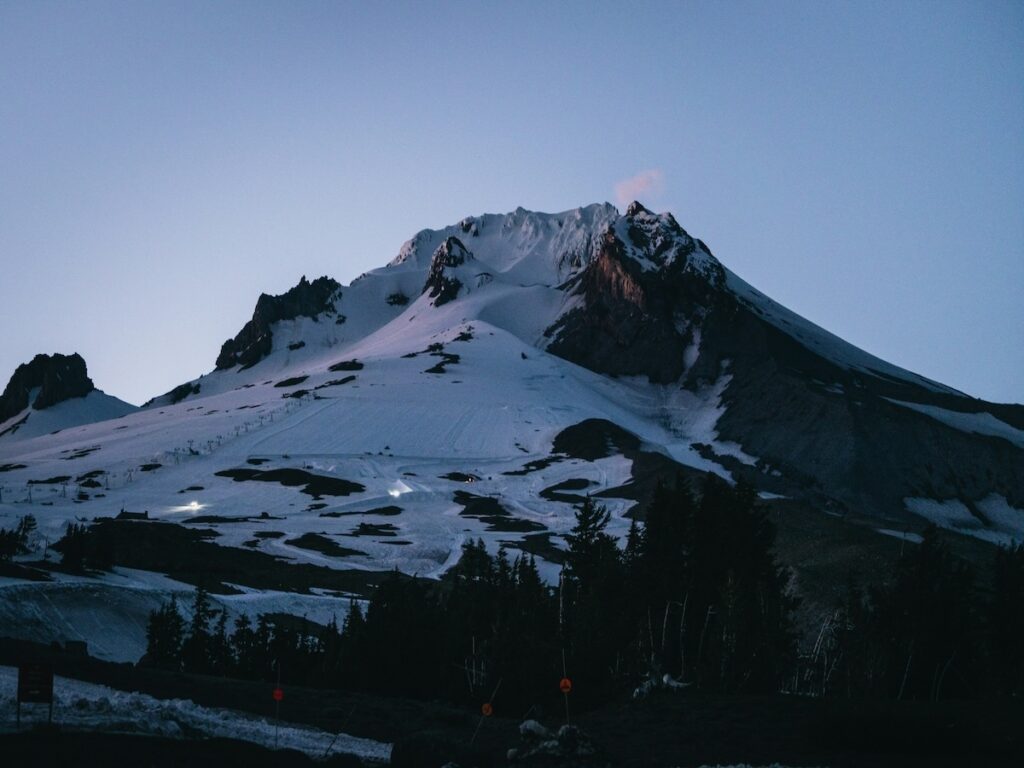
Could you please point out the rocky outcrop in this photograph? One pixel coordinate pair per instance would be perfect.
(567, 747)
(56, 377)
(644, 295)
(255, 340)
(442, 285)
(654, 302)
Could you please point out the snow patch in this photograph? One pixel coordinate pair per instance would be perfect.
(983, 423)
(914, 538)
(87, 706)
(1007, 522)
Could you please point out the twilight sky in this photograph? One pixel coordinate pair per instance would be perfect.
(162, 163)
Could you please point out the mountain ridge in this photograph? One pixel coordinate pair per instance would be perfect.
(579, 350)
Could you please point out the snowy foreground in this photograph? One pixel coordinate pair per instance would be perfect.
(90, 707)
(87, 706)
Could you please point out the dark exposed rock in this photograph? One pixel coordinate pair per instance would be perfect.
(313, 485)
(634, 322)
(397, 299)
(255, 340)
(318, 543)
(656, 303)
(850, 443)
(460, 477)
(593, 439)
(57, 378)
(568, 747)
(442, 286)
(335, 382)
(388, 511)
(180, 392)
(346, 365)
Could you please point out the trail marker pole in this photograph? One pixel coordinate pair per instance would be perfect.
(486, 710)
(565, 686)
(278, 696)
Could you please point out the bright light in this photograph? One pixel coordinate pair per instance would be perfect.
(398, 488)
(192, 507)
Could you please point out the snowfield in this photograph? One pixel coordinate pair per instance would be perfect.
(400, 407)
(87, 706)
(395, 428)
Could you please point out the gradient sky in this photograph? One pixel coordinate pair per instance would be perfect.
(162, 163)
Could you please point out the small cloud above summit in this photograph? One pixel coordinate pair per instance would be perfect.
(646, 184)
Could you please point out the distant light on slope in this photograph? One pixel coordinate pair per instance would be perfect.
(397, 488)
(192, 507)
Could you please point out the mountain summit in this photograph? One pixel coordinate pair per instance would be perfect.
(500, 370)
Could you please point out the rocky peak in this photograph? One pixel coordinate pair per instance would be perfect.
(636, 208)
(442, 284)
(645, 295)
(255, 340)
(657, 241)
(55, 377)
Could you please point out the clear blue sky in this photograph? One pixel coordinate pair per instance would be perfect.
(162, 163)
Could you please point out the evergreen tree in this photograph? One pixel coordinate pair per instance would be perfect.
(593, 555)
(164, 634)
(1006, 622)
(220, 654)
(196, 648)
(926, 626)
(243, 645)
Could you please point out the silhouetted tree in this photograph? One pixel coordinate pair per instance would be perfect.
(164, 636)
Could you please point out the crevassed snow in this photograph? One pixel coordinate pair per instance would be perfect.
(983, 423)
(87, 706)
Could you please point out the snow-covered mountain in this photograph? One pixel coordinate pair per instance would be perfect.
(479, 385)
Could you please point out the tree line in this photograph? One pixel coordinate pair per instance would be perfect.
(695, 596)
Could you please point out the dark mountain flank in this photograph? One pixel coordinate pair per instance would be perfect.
(826, 421)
